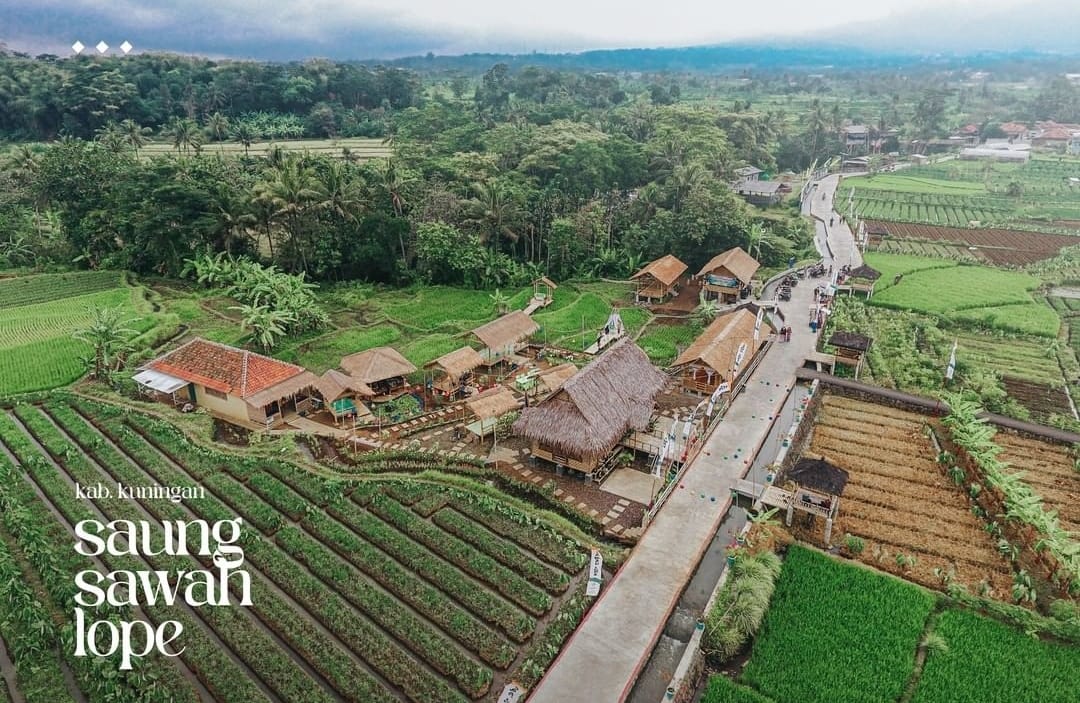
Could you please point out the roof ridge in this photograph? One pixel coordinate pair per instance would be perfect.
(244, 374)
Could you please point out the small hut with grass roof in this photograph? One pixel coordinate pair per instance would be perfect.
(454, 370)
(503, 337)
(578, 426)
(383, 369)
(657, 279)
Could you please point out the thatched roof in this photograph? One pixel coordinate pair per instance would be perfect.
(506, 330)
(819, 475)
(865, 272)
(850, 340)
(547, 282)
(457, 363)
(333, 384)
(717, 346)
(285, 389)
(554, 378)
(377, 364)
(494, 402)
(613, 394)
(736, 261)
(666, 269)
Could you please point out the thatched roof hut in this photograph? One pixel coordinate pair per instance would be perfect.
(718, 345)
(850, 340)
(551, 380)
(819, 475)
(865, 273)
(378, 364)
(457, 363)
(734, 263)
(286, 389)
(494, 402)
(333, 384)
(501, 336)
(666, 270)
(595, 408)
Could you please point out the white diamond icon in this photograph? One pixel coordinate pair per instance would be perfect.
(126, 47)
(102, 47)
(77, 47)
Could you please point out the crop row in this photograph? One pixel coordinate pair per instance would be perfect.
(31, 290)
(272, 663)
(220, 674)
(461, 554)
(361, 637)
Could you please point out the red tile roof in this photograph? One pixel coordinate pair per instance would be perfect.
(223, 368)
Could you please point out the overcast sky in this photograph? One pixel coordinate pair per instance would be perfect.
(379, 28)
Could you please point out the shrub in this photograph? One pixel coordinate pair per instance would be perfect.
(741, 605)
(854, 544)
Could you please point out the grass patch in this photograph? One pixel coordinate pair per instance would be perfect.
(914, 184)
(836, 632)
(661, 343)
(943, 290)
(721, 689)
(430, 347)
(1028, 318)
(588, 312)
(990, 662)
(326, 352)
(892, 264)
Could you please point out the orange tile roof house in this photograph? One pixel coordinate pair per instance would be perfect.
(234, 384)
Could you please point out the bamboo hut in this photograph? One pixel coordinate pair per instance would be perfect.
(505, 336)
(817, 490)
(722, 351)
(383, 369)
(851, 349)
(341, 395)
(543, 294)
(579, 425)
(727, 276)
(862, 279)
(488, 407)
(551, 380)
(455, 369)
(657, 279)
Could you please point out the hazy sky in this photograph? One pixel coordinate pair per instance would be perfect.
(379, 28)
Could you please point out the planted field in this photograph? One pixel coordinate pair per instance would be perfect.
(990, 662)
(38, 316)
(382, 590)
(836, 633)
(1041, 400)
(911, 517)
(359, 148)
(1051, 471)
(663, 342)
(1001, 247)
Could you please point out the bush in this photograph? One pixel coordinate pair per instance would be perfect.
(741, 605)
(853, 544)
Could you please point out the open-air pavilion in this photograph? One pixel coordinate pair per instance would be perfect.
(504, 336)
(342, 396)
(862, 279)
(453, 371)
(489, 407)
(382, 369)
(543, 294)
(722, 351)
(851, 349)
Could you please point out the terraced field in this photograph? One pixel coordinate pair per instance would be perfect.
(1050, 470)
(900, 502)
(376, 590)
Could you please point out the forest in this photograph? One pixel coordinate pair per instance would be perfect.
(494, 178)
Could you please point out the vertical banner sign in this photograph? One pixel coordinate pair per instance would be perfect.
(757, 323)
(511, 693)
(596, 574)
(739, 355)
(724, 387)
(951, 368)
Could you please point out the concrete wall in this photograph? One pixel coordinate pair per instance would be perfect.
(229, 407)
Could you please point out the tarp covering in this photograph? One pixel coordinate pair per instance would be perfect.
(160, 382)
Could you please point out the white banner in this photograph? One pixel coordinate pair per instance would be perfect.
(740, 354)
(511, 693)
(596, 574)
(724, 387)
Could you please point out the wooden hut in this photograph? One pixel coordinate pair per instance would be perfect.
(383, 369)
(488, 407)
(342, 394)
(543, 294)
(503, 337)
(551, 380)
(456, 368)
(578, 426)
(722, 351)
(657, 279)
(817, 490)
(851, 349)
(862, 279)
(727, 276)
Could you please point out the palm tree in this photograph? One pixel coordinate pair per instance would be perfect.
(494, 212)
(185, 133)
(291, 195)
(217, 126)
(134, 134)
(111, 136)
(339, 192)
(243, 133)
(393, 184)
(108, 335)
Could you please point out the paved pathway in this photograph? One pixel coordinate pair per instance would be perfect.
(609, 649)
(841, 240)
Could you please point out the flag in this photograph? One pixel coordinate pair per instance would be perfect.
(757, 323)
(951, 368)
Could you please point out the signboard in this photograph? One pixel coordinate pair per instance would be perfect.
(596, 574)
(724, 387)
(740, 354)
(511, 693)
(757, 323)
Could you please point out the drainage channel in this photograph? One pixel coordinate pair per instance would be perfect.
(651, 685)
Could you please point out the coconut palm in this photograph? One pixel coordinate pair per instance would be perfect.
(184, 132)
(291, 193)
(243, 133)
(339, 192)
(134, 134)
(111, 136)
(108, 335)
(217, 127)
(494, 212)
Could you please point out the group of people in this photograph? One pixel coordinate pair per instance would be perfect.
(785, 334)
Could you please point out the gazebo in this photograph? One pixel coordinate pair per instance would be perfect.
(455, 368)
(543, 294)
(341, 394)
(383, 369)
(488, 407)
(862, 279)
(657, 279)
(817, 490)
(851, 349)
(727, 275)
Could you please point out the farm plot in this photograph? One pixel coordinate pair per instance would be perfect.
(663, 342)
(899, 501)
(1050, 470)
(381, 590)
(1001, 247)
(836, 633)
(38, 318)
